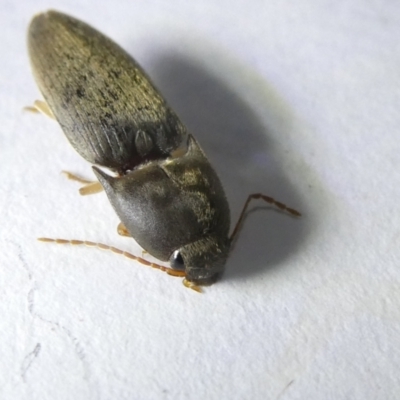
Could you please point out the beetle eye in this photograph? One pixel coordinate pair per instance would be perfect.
(176, 261)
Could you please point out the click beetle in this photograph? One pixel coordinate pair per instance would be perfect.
(163, 188)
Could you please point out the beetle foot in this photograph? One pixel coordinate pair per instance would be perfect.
(40, 106)
(192, 286)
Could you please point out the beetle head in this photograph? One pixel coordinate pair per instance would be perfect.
(202, 260)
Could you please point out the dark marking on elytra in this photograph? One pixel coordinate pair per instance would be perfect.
(80, 92)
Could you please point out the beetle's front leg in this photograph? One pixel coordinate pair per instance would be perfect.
(191, 285)
(121, 229)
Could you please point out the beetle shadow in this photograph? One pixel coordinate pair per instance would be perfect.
(240, 147)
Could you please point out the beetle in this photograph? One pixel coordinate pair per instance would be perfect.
(163, 188)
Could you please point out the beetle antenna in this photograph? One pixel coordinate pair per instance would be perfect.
(269, 200)
(102, 246)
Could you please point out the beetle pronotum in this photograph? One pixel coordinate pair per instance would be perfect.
(165, 192)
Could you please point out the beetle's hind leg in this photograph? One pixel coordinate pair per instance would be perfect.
(40, 106)
(90, 187)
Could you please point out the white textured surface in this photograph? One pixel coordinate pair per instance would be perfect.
(299, 100)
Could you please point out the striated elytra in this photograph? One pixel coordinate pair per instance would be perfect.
(165, 192)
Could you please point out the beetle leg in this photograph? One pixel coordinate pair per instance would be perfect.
(40, 106)
(191, 285)
(91, 187)
(121, 229)
(76, 178)
(269, 200)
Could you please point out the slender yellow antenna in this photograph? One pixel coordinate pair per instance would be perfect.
(267, 199)
(102, 246)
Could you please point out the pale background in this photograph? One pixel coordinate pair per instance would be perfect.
(299, 100)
